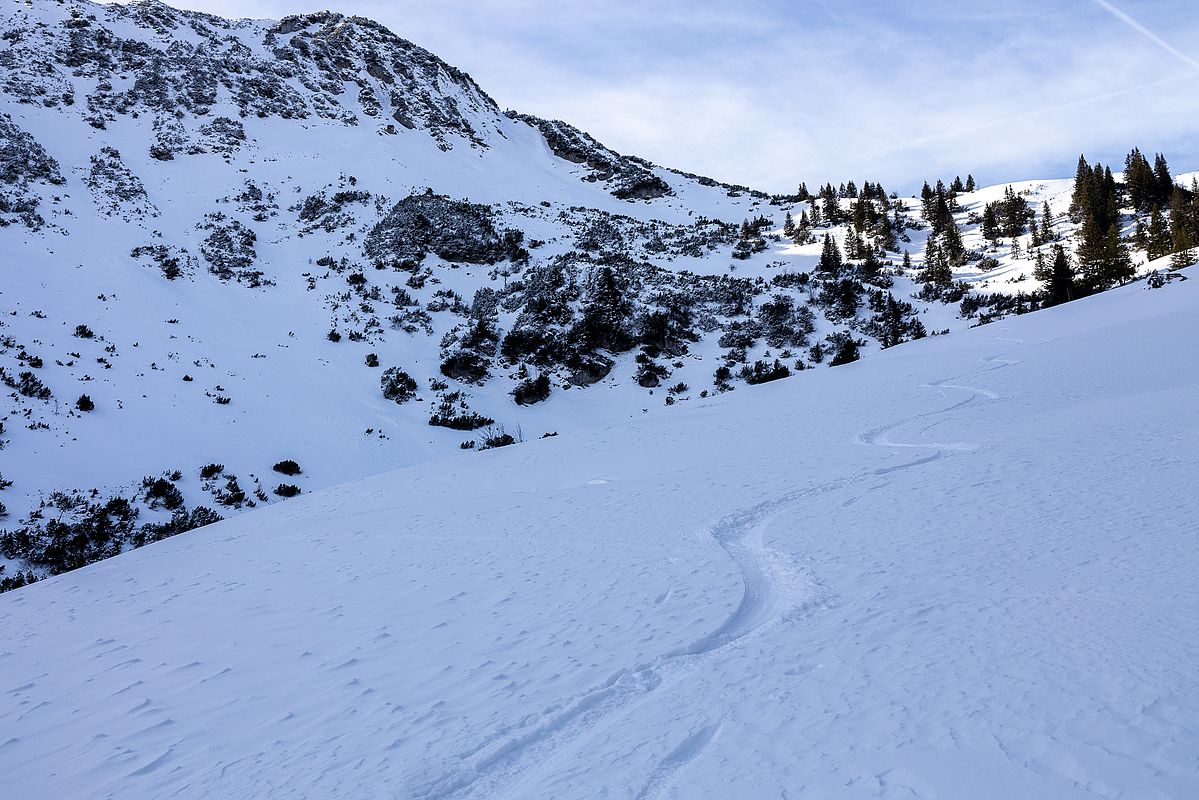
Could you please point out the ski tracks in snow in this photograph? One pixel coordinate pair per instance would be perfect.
(515, 761)
(775, 589)
(881, 436)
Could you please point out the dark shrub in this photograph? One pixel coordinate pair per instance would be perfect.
(84, 403)
(532, 390)
(465, 366)
(161, 492)
(287, 467)
(762, 372)
(397, 385)
(287, 490)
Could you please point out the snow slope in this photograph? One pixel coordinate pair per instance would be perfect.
(166, 128)
(963, 568)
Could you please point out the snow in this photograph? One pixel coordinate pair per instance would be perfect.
(963, 567)
(293, 393)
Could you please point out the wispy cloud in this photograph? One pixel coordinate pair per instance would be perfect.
(1148, 34)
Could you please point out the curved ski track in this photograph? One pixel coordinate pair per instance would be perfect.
(775, 590)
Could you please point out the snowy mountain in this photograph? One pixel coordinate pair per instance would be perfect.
(248, 259)
(963, 567)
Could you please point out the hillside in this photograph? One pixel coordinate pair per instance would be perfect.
(961, 568)
(233, 244)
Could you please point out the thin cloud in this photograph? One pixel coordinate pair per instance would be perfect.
(1148, 34)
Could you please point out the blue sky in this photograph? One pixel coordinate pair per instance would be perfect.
(770, 93)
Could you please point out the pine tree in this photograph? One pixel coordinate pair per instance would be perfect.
(990, 224)
(1158, 242)
(832, 206)
(830, 257)
(1140, 236)
(788, 226)
(955, 252)
(1080, 200)
(1118, 265)
(1103, 258)
(802, 228)
(1041, 270)
(936, 265)
(1165, 181)
(970, 183)
(1183, 242)
(1046, 223)
(1184, 254)
(1140, 181)
(1060, 286)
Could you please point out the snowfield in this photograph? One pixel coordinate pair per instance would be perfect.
(962, 568)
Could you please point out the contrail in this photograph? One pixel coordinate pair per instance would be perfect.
(1148, 34)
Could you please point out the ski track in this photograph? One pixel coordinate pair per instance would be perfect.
(775, 590)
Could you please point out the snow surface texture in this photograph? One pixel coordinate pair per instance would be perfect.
(150, 139)
(964, 568)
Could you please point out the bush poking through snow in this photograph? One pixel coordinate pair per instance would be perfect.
(398, 386)
(532, 390)
(287, 467)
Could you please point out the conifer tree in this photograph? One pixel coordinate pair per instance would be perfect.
(1183, 240)
(990, 224)
(1080, 200)
(788, 226)
(832, 206)
(1140, 181)
(1040, 270)
(936, 265)
(830, 257)
(1140, 236)
(1059, 287)
(955, 252)
(1046, 223)
(1158, 242)
(1184, 254)
(1165, 181)
(1103, 258)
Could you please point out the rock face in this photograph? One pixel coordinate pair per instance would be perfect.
(148, 58)
(628, 178)
(453, 230)
(244, 242)
(22, 162)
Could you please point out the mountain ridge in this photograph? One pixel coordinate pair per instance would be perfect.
(239, 243)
